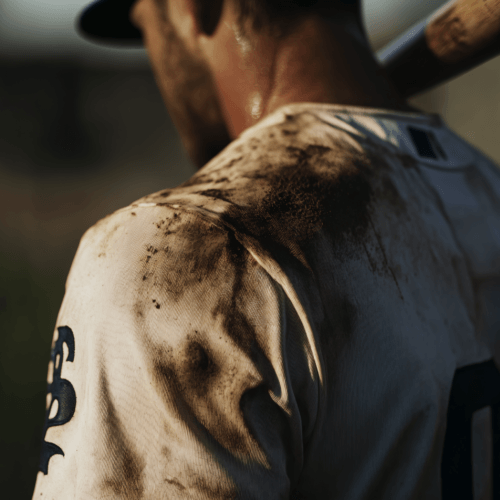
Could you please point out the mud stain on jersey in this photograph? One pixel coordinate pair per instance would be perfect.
(105, 242)
(298, 191)
(235, 323)
(304, 190)
(385, 261)
(122, 467)
(206, 388)
(315, 186)
(193, 398)
(304, 187)
(215, 193)
(175, 482)
(211, 489)
(199, 365)
(215, 491)
(184, 255)
(198, 252)
(188, 372)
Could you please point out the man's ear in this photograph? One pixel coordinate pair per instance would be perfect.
(208, 13)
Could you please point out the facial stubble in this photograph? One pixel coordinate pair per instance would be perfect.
(190, 95)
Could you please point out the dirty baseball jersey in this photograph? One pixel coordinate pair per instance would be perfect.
(313, 315)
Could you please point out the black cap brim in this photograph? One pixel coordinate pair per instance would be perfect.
(107, 22)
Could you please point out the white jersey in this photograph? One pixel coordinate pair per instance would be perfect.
(313, 315)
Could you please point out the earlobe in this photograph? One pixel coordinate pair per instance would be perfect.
(208, 14)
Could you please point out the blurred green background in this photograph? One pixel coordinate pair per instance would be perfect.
(83, 133)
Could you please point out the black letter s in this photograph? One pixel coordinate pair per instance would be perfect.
(61, 391)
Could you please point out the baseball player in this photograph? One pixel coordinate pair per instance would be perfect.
(314, 314)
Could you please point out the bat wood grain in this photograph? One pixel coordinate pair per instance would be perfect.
(461, 28)
(456, 38)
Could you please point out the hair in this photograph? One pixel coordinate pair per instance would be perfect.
(276, 17)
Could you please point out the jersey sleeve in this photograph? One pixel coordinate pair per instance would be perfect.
(178, 370)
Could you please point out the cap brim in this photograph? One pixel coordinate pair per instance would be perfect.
(107, 22)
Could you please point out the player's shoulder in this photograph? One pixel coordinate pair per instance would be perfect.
(272, 188)
(169, 267)
(144, 236)
(291, 147)
(277, 181)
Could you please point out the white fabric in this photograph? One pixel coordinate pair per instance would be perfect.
(287, 323)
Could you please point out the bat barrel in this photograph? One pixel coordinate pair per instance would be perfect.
(456, 38)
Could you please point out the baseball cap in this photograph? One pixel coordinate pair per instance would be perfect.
(107, 22)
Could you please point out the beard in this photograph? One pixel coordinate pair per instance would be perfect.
(189, 93)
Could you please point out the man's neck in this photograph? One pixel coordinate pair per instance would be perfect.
(319, 63)
(331, 67)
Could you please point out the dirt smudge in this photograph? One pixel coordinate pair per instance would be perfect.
(235, 323)
(313, 187)
(173, 481)
(215, 193)
(124, 471)
(190, 378)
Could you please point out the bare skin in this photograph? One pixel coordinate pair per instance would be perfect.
(217, 86)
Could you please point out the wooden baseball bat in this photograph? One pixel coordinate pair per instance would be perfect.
(456, 38)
